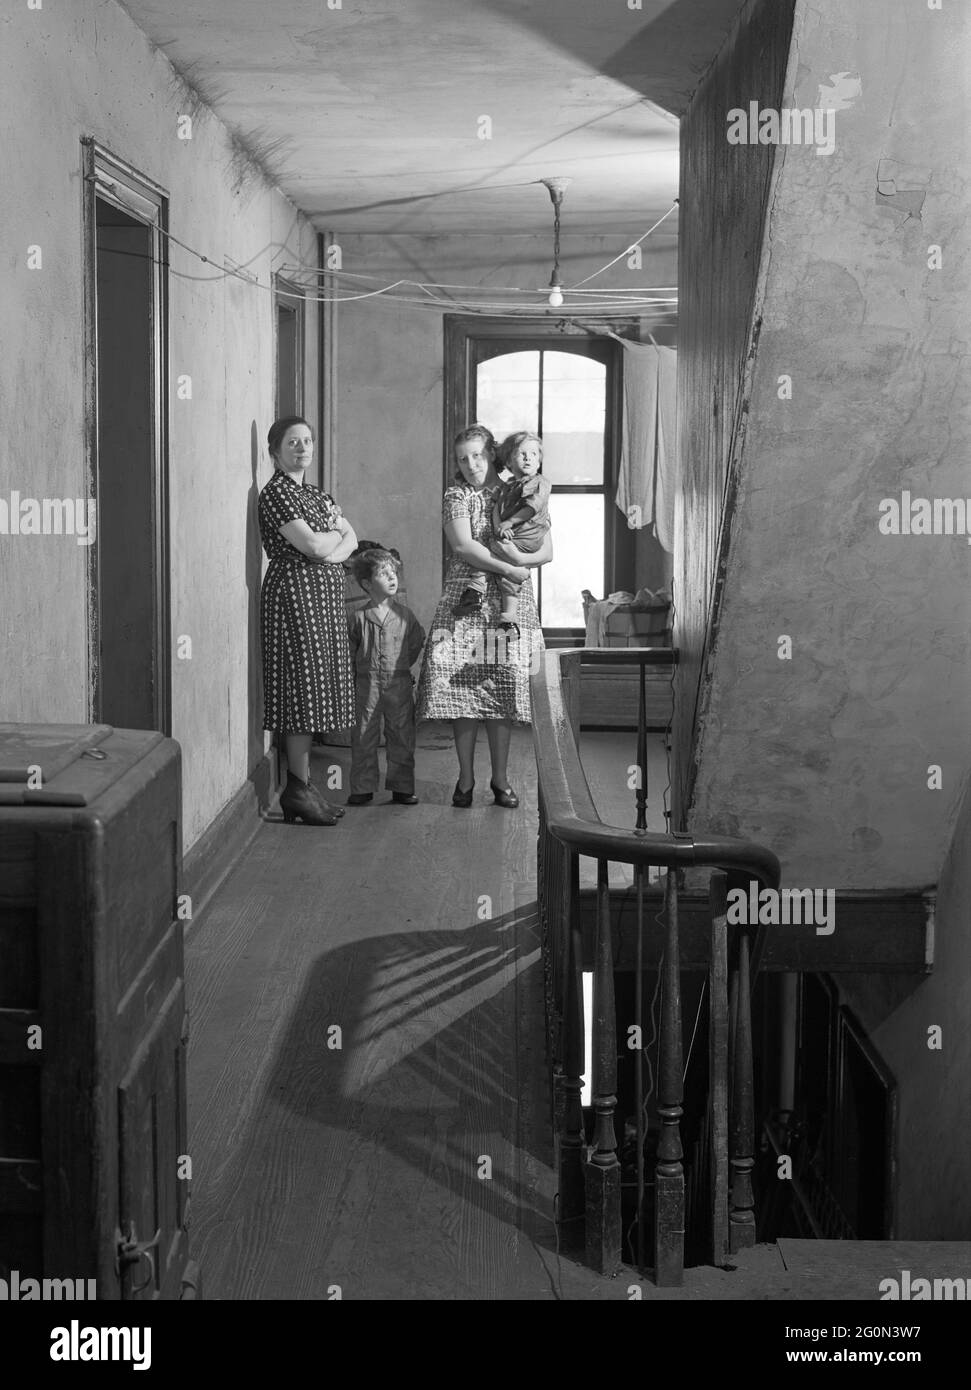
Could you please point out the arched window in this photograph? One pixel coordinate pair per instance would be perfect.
(565, 389)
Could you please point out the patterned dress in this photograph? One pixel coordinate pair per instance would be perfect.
(471, 668)
(308, 687)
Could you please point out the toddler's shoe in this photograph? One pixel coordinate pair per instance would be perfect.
(360, 798)
(404, 798)
(469, 603)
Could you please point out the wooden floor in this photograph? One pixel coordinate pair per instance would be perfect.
(399, 1164)
(412, 1160)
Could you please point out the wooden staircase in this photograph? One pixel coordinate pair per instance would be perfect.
(707, 1193)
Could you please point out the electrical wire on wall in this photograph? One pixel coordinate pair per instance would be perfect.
(486, 300)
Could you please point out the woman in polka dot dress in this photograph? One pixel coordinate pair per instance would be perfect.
(308, 687)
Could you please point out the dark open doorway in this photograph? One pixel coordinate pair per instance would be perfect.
(126, 342)
(289, 305)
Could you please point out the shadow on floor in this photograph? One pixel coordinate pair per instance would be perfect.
(405, 1040)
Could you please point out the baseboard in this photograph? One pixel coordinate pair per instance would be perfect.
(220, 846)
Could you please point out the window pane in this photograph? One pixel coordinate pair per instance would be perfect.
(507, 393)
(574, 410)
(577, 521)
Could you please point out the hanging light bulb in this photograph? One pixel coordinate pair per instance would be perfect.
(556, 189)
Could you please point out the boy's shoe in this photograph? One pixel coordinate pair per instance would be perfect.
(360, 798)
(469, 603)
(404, 798)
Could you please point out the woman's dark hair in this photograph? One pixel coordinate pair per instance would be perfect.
(473, 432)
(364, 564)
(278, 431)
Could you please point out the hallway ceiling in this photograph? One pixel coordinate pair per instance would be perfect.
(367, 115)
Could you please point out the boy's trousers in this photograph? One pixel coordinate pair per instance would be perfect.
(395, 704)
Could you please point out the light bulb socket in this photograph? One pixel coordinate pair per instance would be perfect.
(556, 187)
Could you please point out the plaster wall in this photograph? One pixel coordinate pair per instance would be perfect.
(933, 1197)
(826, 757)
(87, 70)
(723, 204)
(390, 447)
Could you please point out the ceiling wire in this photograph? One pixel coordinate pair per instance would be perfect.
(294, 270)
(612, 303)
(627, 250)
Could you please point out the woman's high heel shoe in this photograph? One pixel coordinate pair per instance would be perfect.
(461, 798)
(299, 802)
(504, 796)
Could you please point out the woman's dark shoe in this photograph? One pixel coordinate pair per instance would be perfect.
(469, 603)
(504, 796)
(326, 805)
(404, 798)
(507, 625)
(461, 798)
(360, 798)
(299, 802)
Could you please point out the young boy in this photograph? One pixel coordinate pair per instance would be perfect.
(521, 514)
(386, 641)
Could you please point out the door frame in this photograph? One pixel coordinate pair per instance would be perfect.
(461, 332)
(288, 295)
(113, 180)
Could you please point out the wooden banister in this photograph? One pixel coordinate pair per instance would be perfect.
(570, 826)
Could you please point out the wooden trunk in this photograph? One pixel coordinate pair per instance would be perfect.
(93, 1025)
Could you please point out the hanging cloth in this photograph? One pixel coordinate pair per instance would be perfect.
(647, 482)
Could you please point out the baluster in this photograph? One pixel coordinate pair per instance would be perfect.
(718, 1054)
(572, 1195)
(641, 752)
(639, 871)
(669, 1173)
(741, 1217)
(639, 1062)
(603, 1169)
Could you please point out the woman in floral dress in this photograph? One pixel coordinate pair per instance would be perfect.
(473, 670)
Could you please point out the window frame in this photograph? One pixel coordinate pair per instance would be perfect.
(470, 340)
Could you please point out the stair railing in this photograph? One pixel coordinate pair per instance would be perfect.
(589, 1201)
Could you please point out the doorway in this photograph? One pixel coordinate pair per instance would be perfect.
(289, 304)
(125, 327)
